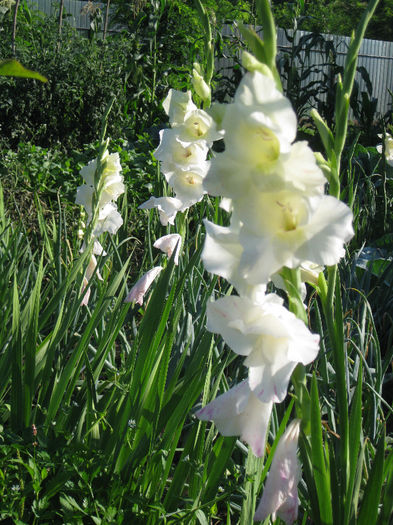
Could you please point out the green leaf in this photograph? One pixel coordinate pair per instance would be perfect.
(387, 502)
(372, 494)
(320, 467)
(355, 432)
(13, 68)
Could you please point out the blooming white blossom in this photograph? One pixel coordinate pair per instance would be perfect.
(177, 154)
(229, 176)
(168, 243)
(388, 143)
(280, 497)
(273, 340)
(198, 127)
(239, 412)
(177, 105)
(260, 123)
(188, 184)
(287, 228)
(166, 206)
(138, 291)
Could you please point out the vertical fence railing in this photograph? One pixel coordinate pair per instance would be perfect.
(375, 56)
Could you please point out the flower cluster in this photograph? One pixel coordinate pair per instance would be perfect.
(280, 218)
(105, 191)
(182, 154)
(103, 184)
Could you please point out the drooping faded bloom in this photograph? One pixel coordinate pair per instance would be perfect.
(138, 291)
(90, 270)
(239, 412)
(280, 497)
(273, 340)
(168, 243)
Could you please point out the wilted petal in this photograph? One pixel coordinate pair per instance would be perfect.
(239, 413)
(86, 297)
(137, 292)
(168, 243)
(280, 493)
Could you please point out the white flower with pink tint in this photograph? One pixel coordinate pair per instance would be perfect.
(138, 291)
(280, 496)
(239, 412)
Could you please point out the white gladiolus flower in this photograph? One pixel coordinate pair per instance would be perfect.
(138, 291)
(285, 229)
(110, 187)
(388, 148)
(222, 254)
(273, 339)
(174, 153)
(188, 184)
(177, 105)
(167, 208)
(198, 127)
(297, 170)
(260, 92)
(239, 412)
(280, 497)
(168, 243)
(260, 124)
(109, 220)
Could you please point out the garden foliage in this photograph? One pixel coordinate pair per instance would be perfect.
(111, 362)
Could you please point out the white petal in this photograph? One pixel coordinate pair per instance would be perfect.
(173, 152)
(167, 208)
(168, 243)
(176, 105)
(109, 220)
(260, 91)
(239, 413)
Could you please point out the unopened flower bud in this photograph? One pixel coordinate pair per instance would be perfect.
(250, 63)
(200, 86)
